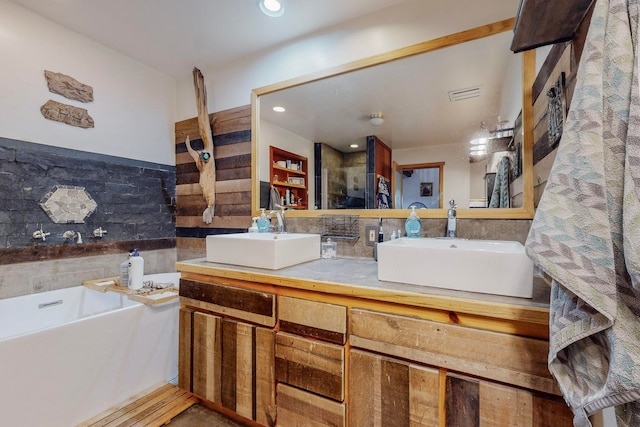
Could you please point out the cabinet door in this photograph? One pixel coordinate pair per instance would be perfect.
(389, 392)
(230, 363)
(471, 402)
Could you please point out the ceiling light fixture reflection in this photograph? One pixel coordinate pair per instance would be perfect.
(481, 136)
(376, 119)
(279, 109)
(272, 8)
(353, 146)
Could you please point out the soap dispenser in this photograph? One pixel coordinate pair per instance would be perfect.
(136, 270)
(263, 222)
(413, 225)
(254, 225)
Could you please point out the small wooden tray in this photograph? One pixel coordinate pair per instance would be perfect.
(105, 284)
(156, 296)
(150, 297)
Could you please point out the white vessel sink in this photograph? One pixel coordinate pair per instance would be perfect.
(487, 266)
(263, 250)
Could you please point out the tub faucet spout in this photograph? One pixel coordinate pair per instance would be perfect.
(70, 235)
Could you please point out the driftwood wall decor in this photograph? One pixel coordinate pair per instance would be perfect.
(70, 88)
(232, 135)
(67, 114)
(204, 158)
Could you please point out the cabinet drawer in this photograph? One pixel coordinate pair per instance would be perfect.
(501, 357)
(391, 392)
(300, 408)
(310, 365)
(327, 322)
(252, 306)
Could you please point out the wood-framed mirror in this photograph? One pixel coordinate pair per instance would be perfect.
(263, 130)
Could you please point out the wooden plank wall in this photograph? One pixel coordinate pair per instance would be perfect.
(563, 58)
(232, 152)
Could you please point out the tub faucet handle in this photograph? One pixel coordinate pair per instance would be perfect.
(99, 232)
(40, 234)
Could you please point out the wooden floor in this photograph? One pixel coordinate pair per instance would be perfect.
(152, 408)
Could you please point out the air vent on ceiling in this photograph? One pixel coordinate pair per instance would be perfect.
(466, 93)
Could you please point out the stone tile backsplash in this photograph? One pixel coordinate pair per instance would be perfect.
(495, 229)
(42, 276)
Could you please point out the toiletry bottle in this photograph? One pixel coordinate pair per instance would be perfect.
(254, 225)
(136, 270)
(394, 236)
(263, 222)
(413, 225)
(380, 233)
(124, 271)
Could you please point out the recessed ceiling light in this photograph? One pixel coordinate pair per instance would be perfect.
(279, 109)
(353, 146)
(273, 8)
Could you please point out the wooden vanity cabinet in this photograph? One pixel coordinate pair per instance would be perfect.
(262, 346)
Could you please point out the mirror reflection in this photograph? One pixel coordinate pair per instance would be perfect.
(418, 186)
(364, 134)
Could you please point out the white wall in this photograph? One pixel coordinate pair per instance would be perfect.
(133, 107)
(399, 26)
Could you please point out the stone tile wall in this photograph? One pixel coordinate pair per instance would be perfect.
(135, 200)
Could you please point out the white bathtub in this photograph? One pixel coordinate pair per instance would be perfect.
(64, 362)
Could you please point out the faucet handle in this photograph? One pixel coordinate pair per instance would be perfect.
(40, 234)
(99, 232)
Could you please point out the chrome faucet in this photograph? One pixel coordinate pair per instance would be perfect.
(452, 219)
(70, 235)
(279, 213)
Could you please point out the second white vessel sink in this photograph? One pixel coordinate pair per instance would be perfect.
(263, 250)
(487, 266)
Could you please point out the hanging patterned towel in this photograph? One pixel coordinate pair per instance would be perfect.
(500, 196)
(585, 233)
